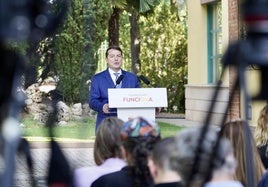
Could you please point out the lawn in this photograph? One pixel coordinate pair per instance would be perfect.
(79, 130)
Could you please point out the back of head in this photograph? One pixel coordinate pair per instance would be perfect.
(186, 143)
(239, 132)
(139, 133)
(162, 151)
(139, 136)
(234, 132)
(108, 140)
(261, 130)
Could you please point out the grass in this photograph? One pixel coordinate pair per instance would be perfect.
(76, 129)
(168, 129)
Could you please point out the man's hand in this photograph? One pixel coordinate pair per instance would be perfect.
(105, 108)
(158, 110)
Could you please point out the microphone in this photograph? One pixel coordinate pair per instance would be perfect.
(144, 79)
(118, 80)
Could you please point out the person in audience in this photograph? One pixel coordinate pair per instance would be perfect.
(264, 180)
(159, 165)
(107, 152)
(235, 132)
(261, 135)
(138, 136)
(216, 163)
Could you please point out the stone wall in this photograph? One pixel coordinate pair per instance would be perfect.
(38, 104)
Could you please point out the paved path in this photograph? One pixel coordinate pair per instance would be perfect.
(77, 157)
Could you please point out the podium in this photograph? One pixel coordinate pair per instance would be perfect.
(133, 102)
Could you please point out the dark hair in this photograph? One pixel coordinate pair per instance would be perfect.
(186, 143)
(162, 151)
(139, 149)
(113, 47)
(108, 141)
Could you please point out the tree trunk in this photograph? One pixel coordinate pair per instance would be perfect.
(135, 42)
(113, 29)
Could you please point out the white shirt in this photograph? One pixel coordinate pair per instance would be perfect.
(223, 184)
(112, 74)
(85, 176)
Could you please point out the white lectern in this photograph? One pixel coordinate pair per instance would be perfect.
(133, 102)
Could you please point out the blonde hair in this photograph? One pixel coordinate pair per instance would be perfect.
(234, 131)
(261, 130)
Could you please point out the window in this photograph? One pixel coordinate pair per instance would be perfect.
(214, 32)
(207, 1)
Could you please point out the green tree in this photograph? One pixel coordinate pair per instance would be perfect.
(113, 22)
(75, 50)
(134, 8)
(164, 53)
(95, 32)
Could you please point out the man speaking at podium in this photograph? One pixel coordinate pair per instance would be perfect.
(113, 77)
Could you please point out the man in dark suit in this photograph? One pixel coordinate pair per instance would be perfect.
(100, 83)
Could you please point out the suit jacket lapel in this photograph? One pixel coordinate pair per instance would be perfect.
(109, 79)
(124, 80)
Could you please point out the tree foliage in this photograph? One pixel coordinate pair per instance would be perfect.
(76, 47)
(134, 9)
(163, 53)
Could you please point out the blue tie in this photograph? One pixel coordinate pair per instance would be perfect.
(116, 77)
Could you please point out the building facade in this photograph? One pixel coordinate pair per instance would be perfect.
(212, 26)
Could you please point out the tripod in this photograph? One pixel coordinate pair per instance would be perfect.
(253, 51)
